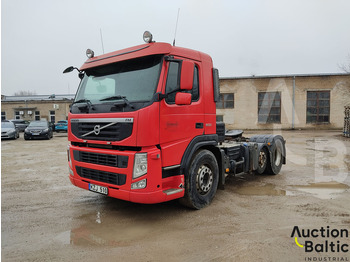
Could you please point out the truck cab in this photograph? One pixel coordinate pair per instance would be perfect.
(142, 120)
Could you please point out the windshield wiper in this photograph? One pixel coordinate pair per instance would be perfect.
(86, 101)
(119, 97)
(82, 101)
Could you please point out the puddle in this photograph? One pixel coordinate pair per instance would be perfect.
(323, 190)
(103, 230)
(264, 190)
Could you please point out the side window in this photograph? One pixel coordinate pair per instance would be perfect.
(195, 89)
(173, 83)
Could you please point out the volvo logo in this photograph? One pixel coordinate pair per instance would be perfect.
(97, 130)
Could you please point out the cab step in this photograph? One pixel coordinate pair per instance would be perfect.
(172, 191)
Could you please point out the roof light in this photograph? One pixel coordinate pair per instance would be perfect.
(90, 53)
(147, 37)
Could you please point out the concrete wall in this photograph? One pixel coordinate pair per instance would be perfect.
(245, 112)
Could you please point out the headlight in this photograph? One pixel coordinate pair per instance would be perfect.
(46, 130)
(140, 165)
(139, 184)
(26, 130)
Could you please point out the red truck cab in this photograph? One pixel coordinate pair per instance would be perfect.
(142, 128)
(127, 138)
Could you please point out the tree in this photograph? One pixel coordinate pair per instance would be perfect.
(346, 66)
(25, 93)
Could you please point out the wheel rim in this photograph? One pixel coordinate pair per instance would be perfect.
(204, 179)
(262, 158)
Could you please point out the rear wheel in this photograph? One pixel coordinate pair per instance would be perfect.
(275, 162)
(201, 180)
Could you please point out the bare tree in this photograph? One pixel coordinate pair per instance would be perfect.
(25, 93)
(346, 66)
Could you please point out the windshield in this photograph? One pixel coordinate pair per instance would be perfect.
(7, 125)
(134, 80)
(38, 124)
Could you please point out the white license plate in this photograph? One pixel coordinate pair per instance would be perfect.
(98, 189)
(35, 134)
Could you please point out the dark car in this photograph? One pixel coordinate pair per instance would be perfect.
(61, 125)
(38, 129)
(9, 130)
(21, 124)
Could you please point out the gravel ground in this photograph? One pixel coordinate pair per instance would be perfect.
(45, 218)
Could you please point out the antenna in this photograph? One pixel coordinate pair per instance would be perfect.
(177, 20)
(103, 49)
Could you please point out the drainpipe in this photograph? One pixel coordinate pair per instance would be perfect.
(293, 110)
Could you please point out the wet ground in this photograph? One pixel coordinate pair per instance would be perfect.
(45, 218)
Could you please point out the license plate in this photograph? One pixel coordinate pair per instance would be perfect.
(98, 189)
(35, 134)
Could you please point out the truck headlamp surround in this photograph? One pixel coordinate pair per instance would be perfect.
(147, 37)
(140, 165)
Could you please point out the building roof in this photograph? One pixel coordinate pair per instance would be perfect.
(52, 97)
(284, 76)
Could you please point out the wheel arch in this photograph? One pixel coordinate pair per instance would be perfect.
(207, 142)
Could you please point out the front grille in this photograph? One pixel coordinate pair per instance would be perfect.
(101, 176)
(101, 159)
(106, 131)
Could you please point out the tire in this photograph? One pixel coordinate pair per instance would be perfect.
(263, 160)
(201, 180)
(277, 153)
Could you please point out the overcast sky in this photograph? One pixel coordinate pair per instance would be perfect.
(40, 38)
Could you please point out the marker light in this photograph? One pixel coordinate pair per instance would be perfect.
(147, 37)
(90, 53)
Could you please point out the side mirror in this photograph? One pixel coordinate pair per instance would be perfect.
(183, 99)
(187, 70)
(68, 69)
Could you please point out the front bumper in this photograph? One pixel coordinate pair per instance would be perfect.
(8, 136)
(36, 135)
(119, 188)
(61, 128)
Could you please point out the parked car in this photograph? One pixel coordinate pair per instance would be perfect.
(61, 125)
(9, 130)
(38, 129)
(21, 124)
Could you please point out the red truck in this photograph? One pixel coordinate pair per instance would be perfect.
(143, 128)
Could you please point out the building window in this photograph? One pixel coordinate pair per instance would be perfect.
(3, 115)
(17, 115)
(52, 116)
(219, 118)
(318, 107)
(269, 107)
(37, 115)
(225, 101)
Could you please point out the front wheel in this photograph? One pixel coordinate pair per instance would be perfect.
(201, 180)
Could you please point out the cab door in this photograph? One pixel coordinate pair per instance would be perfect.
(180, 121)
